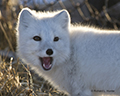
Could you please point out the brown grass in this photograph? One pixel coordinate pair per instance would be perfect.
(17, 80)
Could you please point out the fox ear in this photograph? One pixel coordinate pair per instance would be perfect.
(63, 18)
(25, 17)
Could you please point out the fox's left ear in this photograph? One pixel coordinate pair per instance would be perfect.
(25, 18)
(63, 18)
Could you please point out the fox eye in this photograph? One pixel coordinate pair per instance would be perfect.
(37, 38)
(56, 38)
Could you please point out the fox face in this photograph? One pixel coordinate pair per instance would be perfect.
(43, 38)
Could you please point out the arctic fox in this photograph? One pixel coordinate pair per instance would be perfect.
(74, 59)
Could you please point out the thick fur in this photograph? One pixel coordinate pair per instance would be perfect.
(84, 58)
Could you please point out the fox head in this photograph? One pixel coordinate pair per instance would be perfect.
(43, 38)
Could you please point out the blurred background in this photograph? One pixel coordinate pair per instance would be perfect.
(100, 13)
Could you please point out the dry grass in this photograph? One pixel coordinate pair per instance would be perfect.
(17, 80)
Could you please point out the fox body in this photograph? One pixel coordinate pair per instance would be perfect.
(73, 58)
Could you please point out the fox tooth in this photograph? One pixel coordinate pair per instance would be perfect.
(44, 65)
(50, 65)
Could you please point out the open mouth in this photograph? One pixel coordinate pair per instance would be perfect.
(46, 62)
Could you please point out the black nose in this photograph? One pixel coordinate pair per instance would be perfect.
(49, 52)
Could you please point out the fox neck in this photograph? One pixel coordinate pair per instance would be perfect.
(58, 76)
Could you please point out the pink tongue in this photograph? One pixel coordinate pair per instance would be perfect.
(46, 62)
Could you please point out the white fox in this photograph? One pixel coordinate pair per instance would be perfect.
(73, 58)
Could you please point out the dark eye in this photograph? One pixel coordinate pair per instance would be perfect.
(37, 38)
(56, 38)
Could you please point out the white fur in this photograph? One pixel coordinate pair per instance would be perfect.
(84, 58)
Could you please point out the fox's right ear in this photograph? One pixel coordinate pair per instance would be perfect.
(63, 18)
(25, 17)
